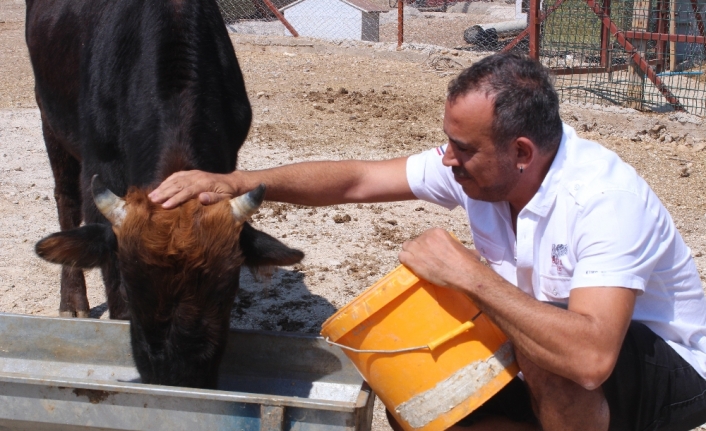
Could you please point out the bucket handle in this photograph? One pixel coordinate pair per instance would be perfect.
(465, 326)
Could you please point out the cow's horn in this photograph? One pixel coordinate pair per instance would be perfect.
(245, 205)
(110, 205)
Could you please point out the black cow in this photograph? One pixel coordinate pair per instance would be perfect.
(131, 91)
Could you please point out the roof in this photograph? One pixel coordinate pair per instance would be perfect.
(362, 5)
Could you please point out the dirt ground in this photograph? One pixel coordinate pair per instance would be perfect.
(314, 100)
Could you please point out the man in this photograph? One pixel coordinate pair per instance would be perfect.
(558, 219)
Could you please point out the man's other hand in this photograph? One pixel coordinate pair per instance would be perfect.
(182, 186)
(440, 259)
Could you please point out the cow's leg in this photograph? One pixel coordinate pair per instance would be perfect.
(67, 193)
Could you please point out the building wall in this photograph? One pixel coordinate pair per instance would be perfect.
(371, 26)
(325, 19)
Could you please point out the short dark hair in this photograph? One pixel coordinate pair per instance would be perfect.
(526, 103)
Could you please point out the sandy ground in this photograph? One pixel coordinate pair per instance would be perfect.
(314, 100)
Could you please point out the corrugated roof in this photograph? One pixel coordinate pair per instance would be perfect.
(362, 5)
(366, 6)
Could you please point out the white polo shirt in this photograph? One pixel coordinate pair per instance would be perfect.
(593, 222)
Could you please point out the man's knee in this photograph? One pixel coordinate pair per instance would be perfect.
(546, 387)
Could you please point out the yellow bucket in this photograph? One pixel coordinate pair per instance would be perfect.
(426, 351)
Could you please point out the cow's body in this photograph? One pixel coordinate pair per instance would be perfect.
(132, 91)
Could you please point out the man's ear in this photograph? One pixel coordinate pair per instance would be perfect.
(526, 150)
(84, 247)
(260, 249)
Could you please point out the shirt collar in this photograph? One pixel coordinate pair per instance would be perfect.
(543, 200)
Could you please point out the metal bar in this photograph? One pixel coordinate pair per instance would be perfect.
(662, 22)
(271, 418)
(588, 70)
(636, 78)
(584, 70)
(672, 31)
(636, 57)
(400, 23)
(699, 20)
(605, 38)
(645, 35)
(281, 17)
(534, 26)
(523, 34)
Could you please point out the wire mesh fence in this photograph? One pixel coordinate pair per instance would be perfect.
(644, 54)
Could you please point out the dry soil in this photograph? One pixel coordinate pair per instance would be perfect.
(315, 100)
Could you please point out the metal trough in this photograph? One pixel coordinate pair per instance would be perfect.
(78, 374)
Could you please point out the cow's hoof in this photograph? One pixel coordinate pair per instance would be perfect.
(80, 314)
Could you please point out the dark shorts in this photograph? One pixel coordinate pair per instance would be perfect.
(651, 388)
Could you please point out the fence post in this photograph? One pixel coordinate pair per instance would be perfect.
(400, 23)
(662, 22)
(672, 31)
(534, 26)
(606, 51)
(280, 17)
(636, 77)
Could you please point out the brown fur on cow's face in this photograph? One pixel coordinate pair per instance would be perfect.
(191, 237)
(180, 267)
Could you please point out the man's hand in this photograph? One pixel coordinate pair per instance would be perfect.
(437, 257)
(182, 186)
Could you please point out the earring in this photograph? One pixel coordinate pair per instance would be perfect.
(522, 169)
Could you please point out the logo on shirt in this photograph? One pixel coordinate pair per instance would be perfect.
(440, 150)
(559, 250)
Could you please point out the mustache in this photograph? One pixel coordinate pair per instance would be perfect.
(460, 172)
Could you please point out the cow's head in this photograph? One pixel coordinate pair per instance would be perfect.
(179, 272)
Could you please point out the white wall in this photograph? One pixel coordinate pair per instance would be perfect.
(325, 19)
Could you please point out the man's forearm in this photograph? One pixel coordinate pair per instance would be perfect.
(308, 183)
(580, 344)
(328, 182)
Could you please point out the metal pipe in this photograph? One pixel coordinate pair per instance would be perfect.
(400, 23)
(526, 31)
(280, 17)
(699, 20)
(662, 22)
(672, 32)
(605, 39)
(534, 26)
(646, 35)
(688, 72)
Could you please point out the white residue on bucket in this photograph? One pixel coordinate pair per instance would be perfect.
(427, 406)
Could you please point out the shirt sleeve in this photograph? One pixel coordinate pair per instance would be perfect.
(619, 238)
(430, 180)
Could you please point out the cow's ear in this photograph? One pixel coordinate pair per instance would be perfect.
(84, 247)
(260, 249)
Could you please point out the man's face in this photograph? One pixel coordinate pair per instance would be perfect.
(484, 172)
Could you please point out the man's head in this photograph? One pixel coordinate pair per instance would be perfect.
(525, 103)
(502, 119)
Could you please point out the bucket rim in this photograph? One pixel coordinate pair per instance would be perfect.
(372, 300)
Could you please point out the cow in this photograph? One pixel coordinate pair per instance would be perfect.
(129, 92)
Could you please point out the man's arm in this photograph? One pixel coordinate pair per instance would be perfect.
(580, 344)
(308, 183)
